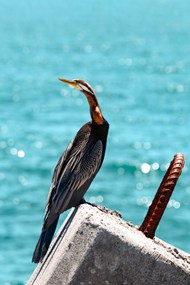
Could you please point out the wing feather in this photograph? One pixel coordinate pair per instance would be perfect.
(56, 175)
(84, 168)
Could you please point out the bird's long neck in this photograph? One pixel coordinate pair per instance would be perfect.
(95, 110)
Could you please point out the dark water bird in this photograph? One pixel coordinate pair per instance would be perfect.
(75, 169)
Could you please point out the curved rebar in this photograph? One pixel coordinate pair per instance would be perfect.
(161, 199)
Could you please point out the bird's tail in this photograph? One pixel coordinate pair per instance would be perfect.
(44, 242)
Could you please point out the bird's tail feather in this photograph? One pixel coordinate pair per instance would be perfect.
(44, 242)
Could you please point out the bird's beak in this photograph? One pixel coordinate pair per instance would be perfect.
(70, 82)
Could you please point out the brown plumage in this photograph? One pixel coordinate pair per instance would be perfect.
(76, 168)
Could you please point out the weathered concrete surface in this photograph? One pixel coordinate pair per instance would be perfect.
(99, 248)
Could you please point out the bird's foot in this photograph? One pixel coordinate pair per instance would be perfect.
(83, 201)
(101, 208)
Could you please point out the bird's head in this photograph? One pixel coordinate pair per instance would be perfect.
(85, 88)
(80, 84)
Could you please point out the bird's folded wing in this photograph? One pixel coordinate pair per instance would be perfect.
(57, 174)
(79, 170)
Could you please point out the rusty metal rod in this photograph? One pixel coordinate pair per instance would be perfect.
(161, 199)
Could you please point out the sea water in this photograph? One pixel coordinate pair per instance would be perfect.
(135, 54)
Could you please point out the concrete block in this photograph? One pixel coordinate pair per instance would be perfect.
(98, 248)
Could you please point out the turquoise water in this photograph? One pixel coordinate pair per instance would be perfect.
(135, 54)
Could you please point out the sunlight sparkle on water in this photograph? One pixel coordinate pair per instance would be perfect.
(145, 168)
(173, 203)
(155, 166)
(21, 153)
(98, 199)
(139, 186)
(13, 151)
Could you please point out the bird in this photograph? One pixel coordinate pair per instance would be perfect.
(76, 168)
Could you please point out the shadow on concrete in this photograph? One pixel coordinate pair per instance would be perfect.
(56, 243)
